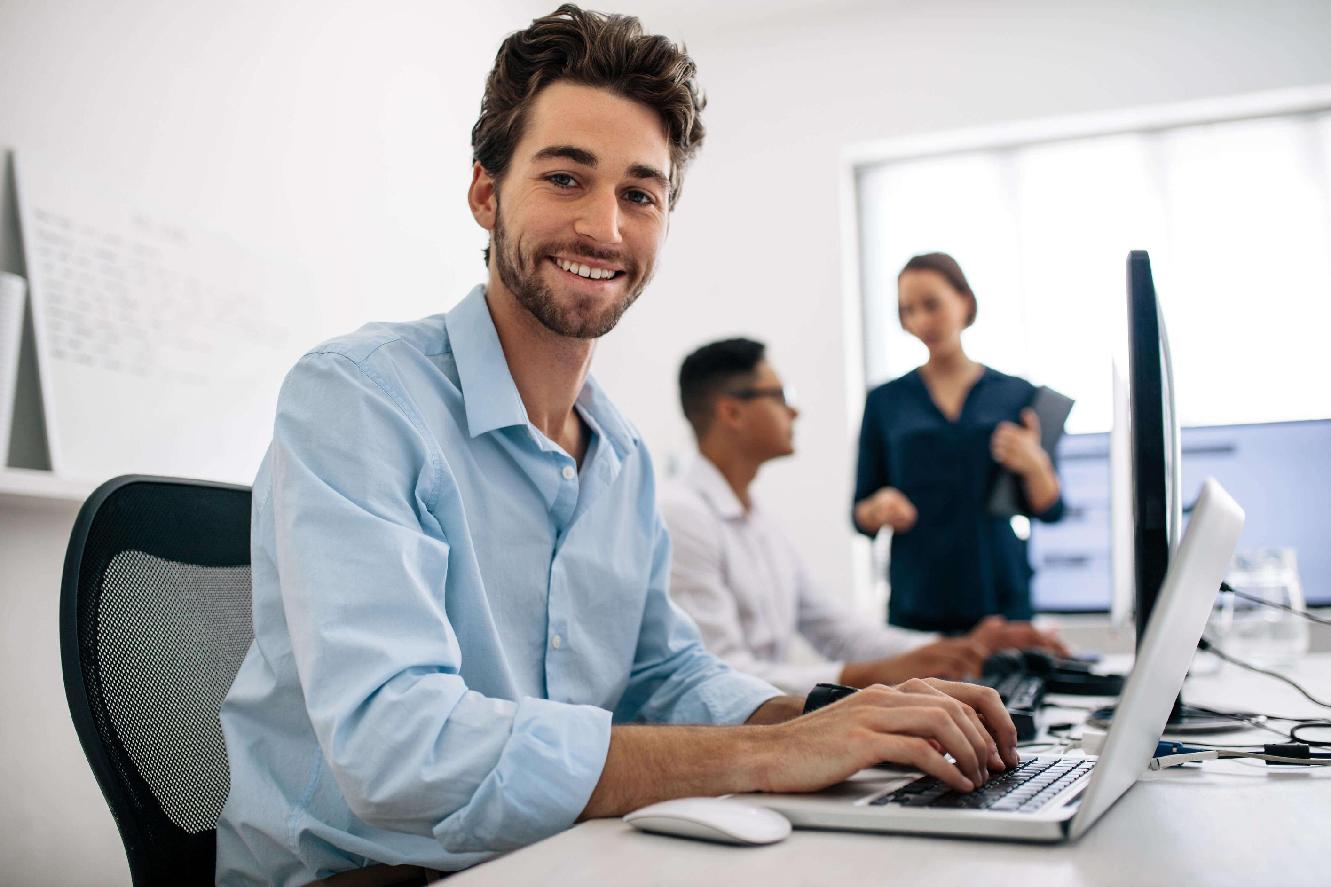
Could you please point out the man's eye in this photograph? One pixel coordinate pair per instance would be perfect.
(642, 198)
(561, 180)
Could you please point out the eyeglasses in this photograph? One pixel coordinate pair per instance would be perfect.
(782, 394)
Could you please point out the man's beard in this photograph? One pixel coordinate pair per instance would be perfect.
(521, 274)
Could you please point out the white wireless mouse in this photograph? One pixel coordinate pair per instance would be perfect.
(712, 819)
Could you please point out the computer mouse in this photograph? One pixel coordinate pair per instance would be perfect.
(712, 819)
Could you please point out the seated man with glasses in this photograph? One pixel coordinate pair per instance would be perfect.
(739, 576)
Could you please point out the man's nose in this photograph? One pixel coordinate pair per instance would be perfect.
(598, 217)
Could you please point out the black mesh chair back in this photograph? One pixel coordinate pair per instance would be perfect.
(154, 623)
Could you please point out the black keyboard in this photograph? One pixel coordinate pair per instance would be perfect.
(1018, 689)
(1024, 789)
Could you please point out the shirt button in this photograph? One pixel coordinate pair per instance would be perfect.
(556, 641)
(569, 473)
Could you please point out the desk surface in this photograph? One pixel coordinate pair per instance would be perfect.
(1225, 822)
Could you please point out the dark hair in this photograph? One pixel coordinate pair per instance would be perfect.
(710, 370)
(593, 49)
(951, 271)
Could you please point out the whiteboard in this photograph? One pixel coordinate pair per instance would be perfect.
(160, 345)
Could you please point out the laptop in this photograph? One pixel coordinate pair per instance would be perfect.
(1054, 799)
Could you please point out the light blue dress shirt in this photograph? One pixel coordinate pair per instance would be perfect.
(448, 615)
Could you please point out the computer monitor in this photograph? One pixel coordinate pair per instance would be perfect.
(1154, 463)
(1084, 563)
(1155, 452)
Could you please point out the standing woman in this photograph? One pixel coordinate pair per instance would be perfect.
(931, 445)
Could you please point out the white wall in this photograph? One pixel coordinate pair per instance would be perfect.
(755, 245)
(337, 134)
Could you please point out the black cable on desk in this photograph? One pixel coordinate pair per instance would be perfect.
(1225, 586)
(1205, 644)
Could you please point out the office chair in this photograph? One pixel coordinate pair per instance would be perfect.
(154, 623)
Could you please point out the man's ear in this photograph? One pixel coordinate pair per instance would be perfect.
(728, 412)
(482, 197)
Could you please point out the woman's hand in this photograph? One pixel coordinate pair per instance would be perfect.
(1017, 447)
(888, 507)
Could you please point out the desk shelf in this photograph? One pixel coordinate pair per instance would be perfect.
(24, 486)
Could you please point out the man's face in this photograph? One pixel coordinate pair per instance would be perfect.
(766, 421)
(582, 210)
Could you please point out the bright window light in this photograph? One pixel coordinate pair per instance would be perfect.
(1237, 219)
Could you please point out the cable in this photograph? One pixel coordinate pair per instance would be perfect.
(1251, 719)
(1172, 754)
(1311, 725)
(1225, 586)
(1204, 644)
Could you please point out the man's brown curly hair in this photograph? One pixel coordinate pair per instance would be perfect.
(593, 49)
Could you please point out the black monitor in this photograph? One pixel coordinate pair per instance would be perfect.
(1155, 468)
(1154, 427)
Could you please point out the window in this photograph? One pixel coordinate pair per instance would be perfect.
(1236, 214)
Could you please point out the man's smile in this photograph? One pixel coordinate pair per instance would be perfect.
(587, 270)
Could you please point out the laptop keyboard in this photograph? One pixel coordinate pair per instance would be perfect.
(1023, 789)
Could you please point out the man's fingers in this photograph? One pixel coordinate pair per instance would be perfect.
(962, 715)
(918, 753)
(989, 706)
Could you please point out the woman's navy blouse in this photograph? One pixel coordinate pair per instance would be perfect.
(958, 563)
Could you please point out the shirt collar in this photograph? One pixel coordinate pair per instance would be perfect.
(708, 480)
(488, 391)
(606, 418)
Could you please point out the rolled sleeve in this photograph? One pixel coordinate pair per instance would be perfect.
(543, 778)
(837, 632)
(1053, 514)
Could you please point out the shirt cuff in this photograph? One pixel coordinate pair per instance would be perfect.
(728, 698)
(543, 780)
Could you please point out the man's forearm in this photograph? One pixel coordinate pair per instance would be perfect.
(648, 763)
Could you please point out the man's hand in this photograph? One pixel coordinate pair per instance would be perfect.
(915, 723)
(888, 507)
(956, 658)
(1017, 447)
(996, 633)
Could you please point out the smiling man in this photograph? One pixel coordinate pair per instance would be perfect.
(463, 639)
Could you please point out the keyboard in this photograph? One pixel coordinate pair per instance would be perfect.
(1018, 689)
(1024, 789)
(1022, 693)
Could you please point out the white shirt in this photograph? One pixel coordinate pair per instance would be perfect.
(738, 575)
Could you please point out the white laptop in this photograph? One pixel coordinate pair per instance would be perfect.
(1053, 798)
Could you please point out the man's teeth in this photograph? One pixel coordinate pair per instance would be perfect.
(584, 271)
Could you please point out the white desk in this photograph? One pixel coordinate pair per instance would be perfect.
(1223, 823)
